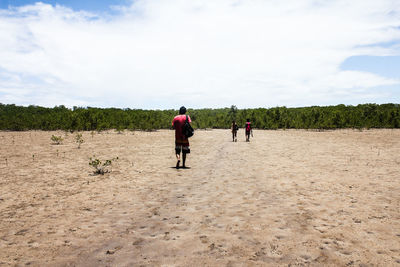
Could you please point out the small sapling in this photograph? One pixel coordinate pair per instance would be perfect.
(100, 167)
(120, 129)
(56, 139)
(78, 139)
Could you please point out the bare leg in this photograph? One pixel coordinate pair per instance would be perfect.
(178, 157)
(184, 159)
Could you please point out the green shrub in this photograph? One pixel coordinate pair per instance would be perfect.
(100, 167)
(56, 139)
(78, 139)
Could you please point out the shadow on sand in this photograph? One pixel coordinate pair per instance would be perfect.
(180, 168)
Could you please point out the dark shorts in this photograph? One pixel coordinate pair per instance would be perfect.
(182, 145)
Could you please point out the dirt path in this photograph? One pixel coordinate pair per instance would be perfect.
(285, 198)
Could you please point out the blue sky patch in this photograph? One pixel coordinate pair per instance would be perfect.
(77, 5)
(386, 66)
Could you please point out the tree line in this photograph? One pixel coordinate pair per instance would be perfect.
(18, 118)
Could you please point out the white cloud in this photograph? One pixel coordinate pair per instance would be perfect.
(162, 54)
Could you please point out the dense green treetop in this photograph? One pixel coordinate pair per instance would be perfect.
(19, 118)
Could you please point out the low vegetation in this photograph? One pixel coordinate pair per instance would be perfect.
(79, 140)
(57, 140)
(99, 166)
(17, 118)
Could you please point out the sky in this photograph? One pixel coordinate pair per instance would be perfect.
(155, 54)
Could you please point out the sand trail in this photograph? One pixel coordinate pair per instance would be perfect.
(286, 198)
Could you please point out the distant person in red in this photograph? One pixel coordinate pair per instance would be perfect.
(181, 141)
(248, 130)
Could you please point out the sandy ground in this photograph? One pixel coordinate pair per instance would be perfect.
(287, 198)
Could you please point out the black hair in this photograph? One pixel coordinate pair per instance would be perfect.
(248, 120)
(182, 110)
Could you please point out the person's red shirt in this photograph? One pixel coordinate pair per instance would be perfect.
(177, 123)
(248, 127)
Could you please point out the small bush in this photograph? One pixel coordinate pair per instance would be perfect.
(99, 166)
(120, 129)
(78, 139)
(56, 139)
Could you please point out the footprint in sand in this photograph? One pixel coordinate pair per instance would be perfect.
(22, 232)
(345, 252)
(326, 242)
(305, 257)
(204, 239)
(166, 236)
(112, 251)
(138, 241)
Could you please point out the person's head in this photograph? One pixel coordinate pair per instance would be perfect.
(248, 120)
(233, 122)
(182, 110)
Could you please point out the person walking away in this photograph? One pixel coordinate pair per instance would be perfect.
(249, 130)
(181, 141)
(234, 129)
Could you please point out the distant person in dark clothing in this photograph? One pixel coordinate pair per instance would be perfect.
(181, 141)
(234, 129)
(249, 130)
